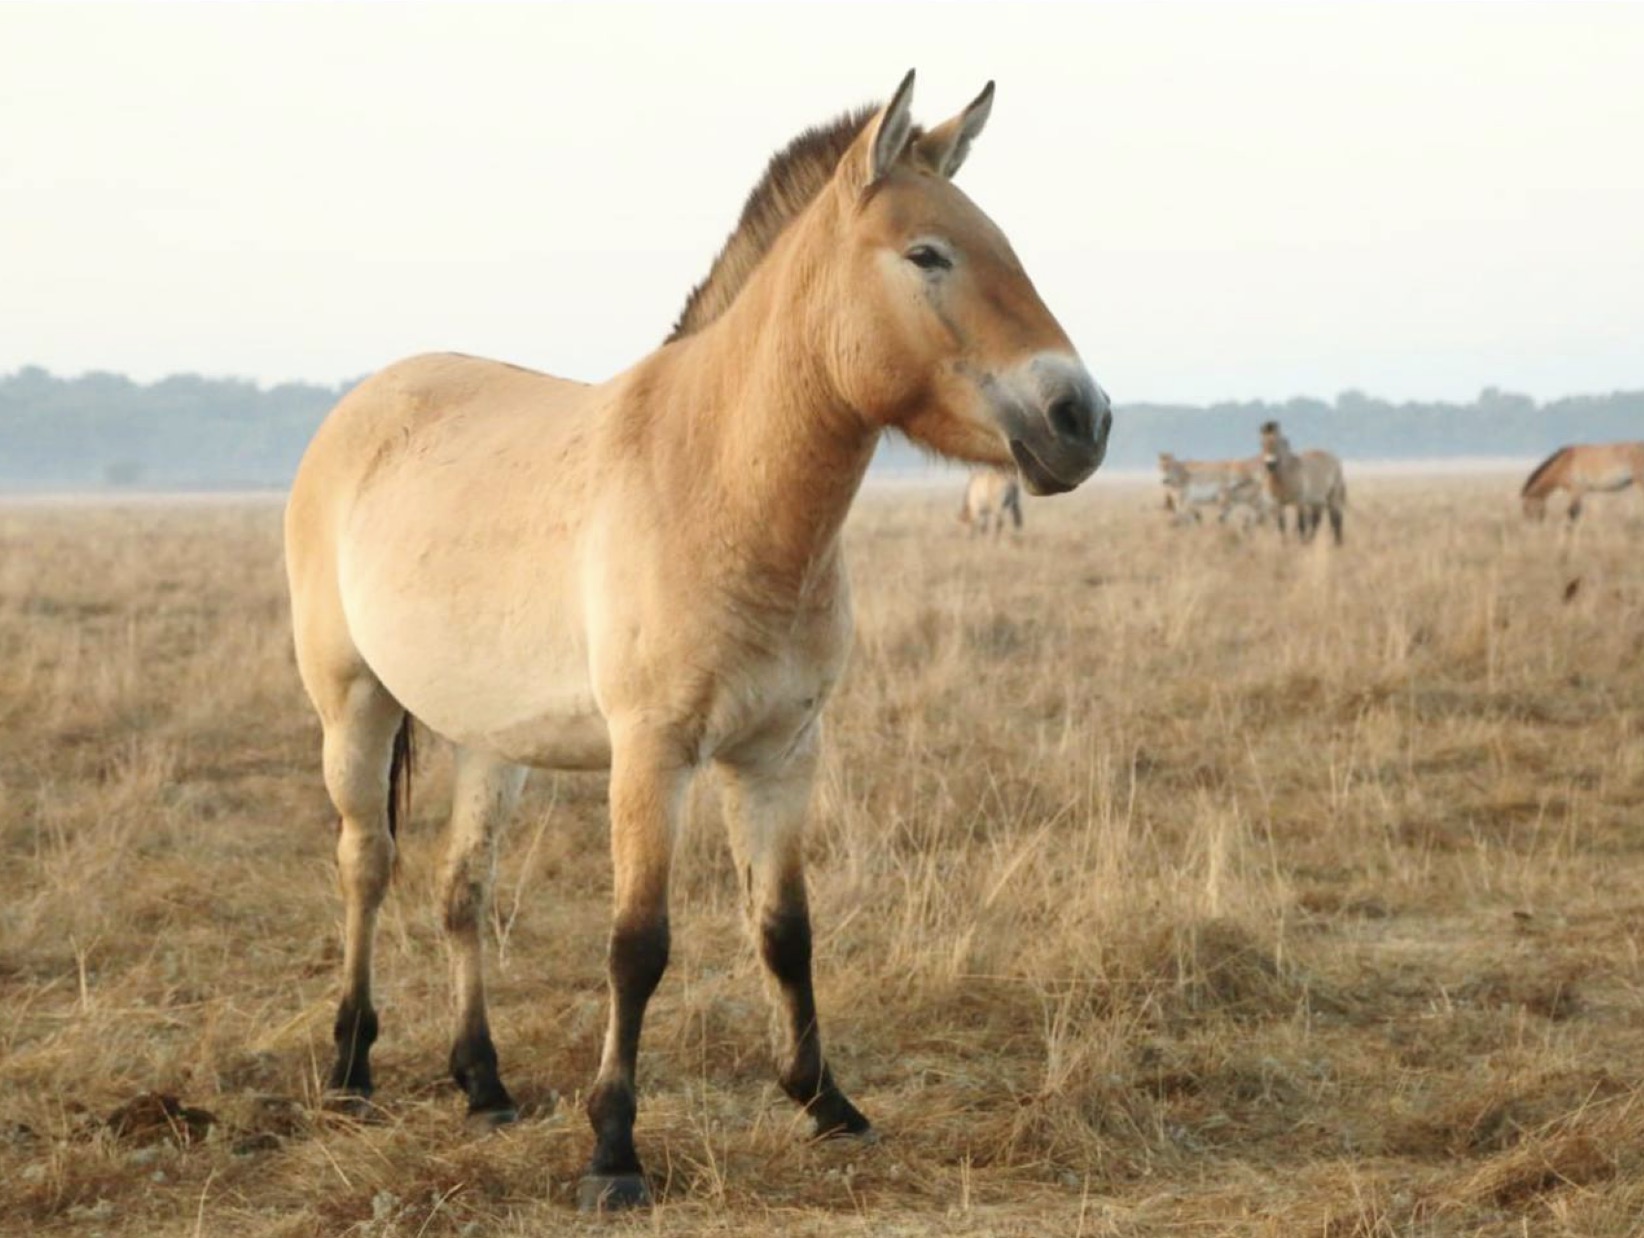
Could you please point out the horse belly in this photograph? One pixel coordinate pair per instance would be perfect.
(1608, 479)
(507, 680)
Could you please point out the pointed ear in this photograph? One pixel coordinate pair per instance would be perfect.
(875, 153)
(944, 148)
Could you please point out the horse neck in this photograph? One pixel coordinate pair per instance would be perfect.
(1291, 472)
(766, 437)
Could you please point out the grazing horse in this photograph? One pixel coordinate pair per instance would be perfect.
(646, 574)
(1311, 482)
(1191, 484)
(1583, 469)
(989, 495)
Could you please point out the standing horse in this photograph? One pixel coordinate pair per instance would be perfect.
(1225, 484)
(646, 575)
(1311, 482)
(989, 495)
(1583, 469)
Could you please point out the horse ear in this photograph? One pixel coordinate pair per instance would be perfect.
(887, 137)
(944, 148)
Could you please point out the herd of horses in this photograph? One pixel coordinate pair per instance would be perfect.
(1265, 485)
(1312, 483)
(645, 575)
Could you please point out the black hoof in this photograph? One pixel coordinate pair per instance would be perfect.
(612, 1193)
(352, 1106)
(484, 1121)
(865, 1134)
(836, 1118)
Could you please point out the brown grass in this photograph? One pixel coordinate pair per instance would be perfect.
(1165, 880)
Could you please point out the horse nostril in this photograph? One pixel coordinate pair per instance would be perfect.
(1071, 417)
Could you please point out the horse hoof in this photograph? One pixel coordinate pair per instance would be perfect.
(484, 1121)
(351, 1106)
(867, 1136)
(612, 1193)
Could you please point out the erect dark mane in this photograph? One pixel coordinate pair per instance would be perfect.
(1539, 470)
(795, 175)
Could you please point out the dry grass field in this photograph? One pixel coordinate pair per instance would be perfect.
(1165, 881)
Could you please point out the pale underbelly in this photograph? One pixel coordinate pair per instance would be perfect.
(530, 715)
(1608, 482)
(523, 693)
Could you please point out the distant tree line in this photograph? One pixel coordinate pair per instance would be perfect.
(183, 432)
(190, 432)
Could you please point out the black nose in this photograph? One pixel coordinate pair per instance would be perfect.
(1080, 415)
(1073, 417)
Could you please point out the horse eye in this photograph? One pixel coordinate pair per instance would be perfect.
(928, 258)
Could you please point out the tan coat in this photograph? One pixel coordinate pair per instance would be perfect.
(647, 574)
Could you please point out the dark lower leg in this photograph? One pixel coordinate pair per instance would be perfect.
(474, 1069)
(354, 1032)
(365, 858)
(785, 945)
(473, 1055)
(639, 956)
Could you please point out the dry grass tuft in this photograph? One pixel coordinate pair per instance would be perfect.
(1165, 881)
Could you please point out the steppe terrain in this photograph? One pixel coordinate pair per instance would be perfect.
(1171, 881)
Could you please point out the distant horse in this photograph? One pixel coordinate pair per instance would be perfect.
(1312, 483)
(1224, 484)
(1583, 469)
(990, 495)
(646, 575)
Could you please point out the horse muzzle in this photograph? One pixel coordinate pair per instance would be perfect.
(1059, 436)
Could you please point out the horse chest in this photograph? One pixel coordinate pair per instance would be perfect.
(739, 686)
(762, 707)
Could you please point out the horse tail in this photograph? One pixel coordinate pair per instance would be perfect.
(399, 778)
(1541, 468)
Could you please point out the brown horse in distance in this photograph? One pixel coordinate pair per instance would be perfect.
(990, 496)
(1311, 482)
(1582, 469)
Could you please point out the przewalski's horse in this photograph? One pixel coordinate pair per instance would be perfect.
(1583, 469)
(990, 495)
(1224, 484)
(646, 574)
(1312, 483)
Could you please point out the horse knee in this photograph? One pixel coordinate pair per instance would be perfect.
(638, 957)
(785, 943)
(365, 860)
(464, 898)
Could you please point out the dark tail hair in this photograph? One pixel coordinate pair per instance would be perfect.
(399, 778)
(1539, 470)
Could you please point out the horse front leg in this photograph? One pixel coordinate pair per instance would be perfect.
(766, 806)
(648, 782)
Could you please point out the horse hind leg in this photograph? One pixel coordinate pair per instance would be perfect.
(1336, 523)
(362, 723)
(485, 792)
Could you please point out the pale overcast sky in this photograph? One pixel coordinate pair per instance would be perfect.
(1217, 201)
